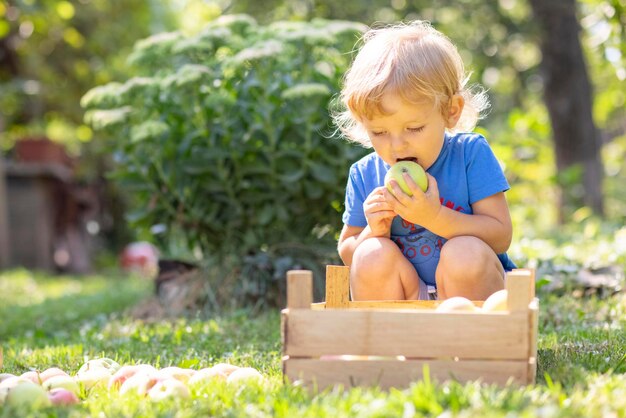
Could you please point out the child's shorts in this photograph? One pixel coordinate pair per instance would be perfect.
(427, 292)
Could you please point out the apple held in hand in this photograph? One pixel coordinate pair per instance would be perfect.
(414, 170)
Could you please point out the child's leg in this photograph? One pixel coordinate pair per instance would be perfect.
(379, 271)
(468, 267)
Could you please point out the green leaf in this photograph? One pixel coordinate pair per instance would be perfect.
(322, 173)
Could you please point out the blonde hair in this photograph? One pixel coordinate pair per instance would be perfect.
(413, 60)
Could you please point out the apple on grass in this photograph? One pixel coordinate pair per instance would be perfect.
(8, 384)
(225, 368)
(169, 389)
(5, 376)
(100, 363)
(60, 381)
(92, 378)
(33, 376)
(244, 374)
(61, 396)
(51, 372)
(414, 170)
(140, 383)
(203, 376)
(177, 373)
(128, 371)
(27, 393)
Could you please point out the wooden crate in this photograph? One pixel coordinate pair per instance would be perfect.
(389, 343)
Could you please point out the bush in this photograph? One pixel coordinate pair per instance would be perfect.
(223, 141)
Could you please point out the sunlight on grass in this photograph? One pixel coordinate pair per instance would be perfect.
(582, 358)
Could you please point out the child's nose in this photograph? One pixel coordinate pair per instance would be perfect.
(398, 141)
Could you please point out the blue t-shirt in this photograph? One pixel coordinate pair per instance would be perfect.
(466, 171)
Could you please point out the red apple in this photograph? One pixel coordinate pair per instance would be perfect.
(51, 372)
(126, 372)
(33, 376)
(61, 396)
(140, 383)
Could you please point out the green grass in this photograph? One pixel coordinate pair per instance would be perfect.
(61, 321)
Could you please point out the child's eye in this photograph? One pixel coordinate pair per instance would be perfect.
(420, 129)
(378, 133)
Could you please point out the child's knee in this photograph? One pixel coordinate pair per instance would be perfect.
(373, 258)
(467, 256)
(374, 252)
(469, 267)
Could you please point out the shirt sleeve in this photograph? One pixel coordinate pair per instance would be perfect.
(355, 197)
(484, 173)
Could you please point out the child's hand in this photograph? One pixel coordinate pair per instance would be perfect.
(422, 208)
(379, 212)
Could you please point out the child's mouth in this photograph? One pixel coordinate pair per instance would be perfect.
(407, 159)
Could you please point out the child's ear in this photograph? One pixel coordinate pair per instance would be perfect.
(455, 109)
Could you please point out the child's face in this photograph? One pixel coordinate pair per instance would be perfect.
(410, 131)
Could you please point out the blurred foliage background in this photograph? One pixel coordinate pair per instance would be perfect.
(209, 120)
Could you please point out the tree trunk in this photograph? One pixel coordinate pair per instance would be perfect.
(4, 219)
(568, 97)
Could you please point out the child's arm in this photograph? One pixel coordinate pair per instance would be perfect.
(379, 216)
(491, 221)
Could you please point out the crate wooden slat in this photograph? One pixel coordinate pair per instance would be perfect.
(394, 373)
(388, 343)
(429, 335)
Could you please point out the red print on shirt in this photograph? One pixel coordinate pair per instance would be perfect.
(450, 205)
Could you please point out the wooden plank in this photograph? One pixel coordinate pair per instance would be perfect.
(394, 373)
(299, 289)
(391, 304)
(520, 285)
(417, 334)
(400, 304)
(337, 286)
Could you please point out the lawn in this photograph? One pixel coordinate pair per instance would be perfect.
(62, 321)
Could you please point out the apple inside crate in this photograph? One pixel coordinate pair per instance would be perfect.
(392, 343)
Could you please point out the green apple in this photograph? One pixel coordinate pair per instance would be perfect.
(61, 381)
(244, 374)
(168, 389)
(27, 393)
(92, 378)
(100, 363)
(414, 170)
